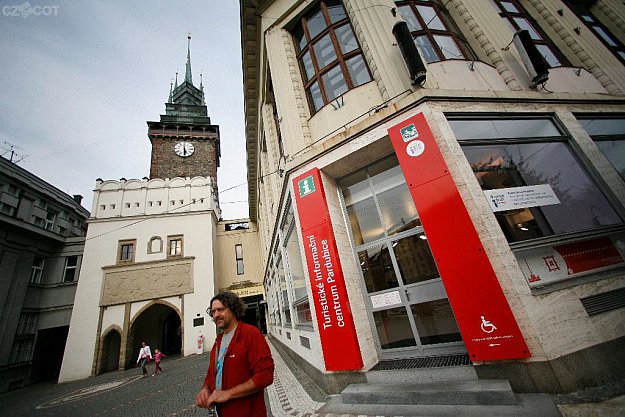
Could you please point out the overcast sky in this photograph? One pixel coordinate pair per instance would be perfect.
(79, 80)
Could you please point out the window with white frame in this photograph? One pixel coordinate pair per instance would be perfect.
(49, 220)
(174, 246)
(238, 254)
(36, 270)
(434, 31)
(608, 132)
(126, 251)
(328, 52)
(532, 156)
(69, 273)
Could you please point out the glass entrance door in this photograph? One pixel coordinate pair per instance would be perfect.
(406, 299)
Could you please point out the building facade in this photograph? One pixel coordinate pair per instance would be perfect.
(149, 267)
(439, 179)
(239, 265)
(41, 248)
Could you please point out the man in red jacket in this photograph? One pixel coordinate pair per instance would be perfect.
(240, 364)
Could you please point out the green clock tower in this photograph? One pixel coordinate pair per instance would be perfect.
(184, 142)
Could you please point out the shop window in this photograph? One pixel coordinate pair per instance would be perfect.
(283, 293)
(330, 58)
(519, 19)
(238, 253)
(609, 135)
(36, 270)
(174, 246)
(126, 251)
(548, 191)
(434, 31)
(295, 267)
(581, 9)
(69, 273)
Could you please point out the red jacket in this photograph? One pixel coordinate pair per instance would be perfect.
(248, 356)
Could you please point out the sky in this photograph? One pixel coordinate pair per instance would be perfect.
(79, 80)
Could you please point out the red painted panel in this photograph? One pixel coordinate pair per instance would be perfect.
(337, 332)
(487, 325)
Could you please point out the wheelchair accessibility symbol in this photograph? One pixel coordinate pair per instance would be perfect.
(487, 326)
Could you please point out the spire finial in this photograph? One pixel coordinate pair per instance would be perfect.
(202, 90)
(171, 91)
(176, 84)
(188, 76)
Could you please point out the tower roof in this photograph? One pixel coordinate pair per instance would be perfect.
(186, 100)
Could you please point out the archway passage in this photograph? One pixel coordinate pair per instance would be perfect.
(159, 326)
(110, 352)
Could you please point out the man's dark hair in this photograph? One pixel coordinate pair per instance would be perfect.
(232, 301)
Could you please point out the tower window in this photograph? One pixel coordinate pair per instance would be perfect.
(174, 246)
(126, 251)
(155, 245)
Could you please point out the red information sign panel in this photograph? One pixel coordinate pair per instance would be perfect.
(339, 342)
(487, 325)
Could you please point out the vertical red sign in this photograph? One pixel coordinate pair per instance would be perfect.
(339, 342)
(487, 325)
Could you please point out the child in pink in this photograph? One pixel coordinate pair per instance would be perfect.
(157, 361)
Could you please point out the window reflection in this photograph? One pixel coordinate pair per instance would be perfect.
(334, 82)
(435, 322)
(396, 205)
(415, 259)
(582, 206)
(609, 135)
(393, 328)
(363, 214)
(377, 269)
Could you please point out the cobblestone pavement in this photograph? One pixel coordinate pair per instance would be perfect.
(172, 393)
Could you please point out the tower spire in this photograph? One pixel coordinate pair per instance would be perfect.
(188, 77)
(202, 90)
(176, 84)
(171, 92)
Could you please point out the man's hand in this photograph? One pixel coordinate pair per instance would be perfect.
(202, 398)
(220, 396)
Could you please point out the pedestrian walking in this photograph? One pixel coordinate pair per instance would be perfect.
(240, 365)
(158, 355)
(145, 355)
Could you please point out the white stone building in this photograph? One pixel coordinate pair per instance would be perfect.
(149, 267)
(431, 181)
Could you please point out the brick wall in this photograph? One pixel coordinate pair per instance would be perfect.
(166, 164)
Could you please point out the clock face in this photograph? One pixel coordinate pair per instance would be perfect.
(184, 149)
